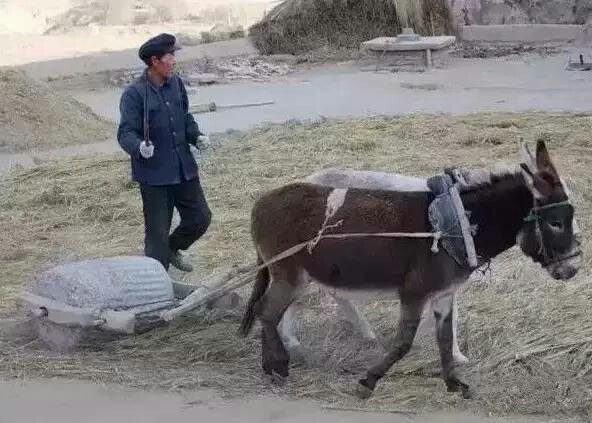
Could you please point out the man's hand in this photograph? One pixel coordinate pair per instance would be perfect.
(146, 151)
(203, 140)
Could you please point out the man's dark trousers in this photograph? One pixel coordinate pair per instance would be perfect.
(158, 202)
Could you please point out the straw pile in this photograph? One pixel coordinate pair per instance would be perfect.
(32, 115)
(299, 26)
(529, 338)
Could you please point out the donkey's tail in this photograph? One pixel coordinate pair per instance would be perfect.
(259, 288)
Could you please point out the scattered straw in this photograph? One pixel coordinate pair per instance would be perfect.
(529, 338)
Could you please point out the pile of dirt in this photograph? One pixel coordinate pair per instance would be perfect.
(298, 26)
(116, 12)
(32, 116)
(94, 12)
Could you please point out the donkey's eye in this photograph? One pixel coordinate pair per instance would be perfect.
(556, 224)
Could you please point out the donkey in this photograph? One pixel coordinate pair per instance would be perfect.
(528, 206)
(339, 178)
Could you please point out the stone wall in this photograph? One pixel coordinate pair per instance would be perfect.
(500, 12)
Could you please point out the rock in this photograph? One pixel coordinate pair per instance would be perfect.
(187, 40)
(202, 79)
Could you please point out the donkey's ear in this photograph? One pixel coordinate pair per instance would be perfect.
(545, 182)
(543, 160)
(526, 157)
(529, 178)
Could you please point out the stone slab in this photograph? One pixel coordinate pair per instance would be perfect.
(393, 44)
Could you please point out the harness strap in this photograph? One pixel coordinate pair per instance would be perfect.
(465, 227)
(299, 247)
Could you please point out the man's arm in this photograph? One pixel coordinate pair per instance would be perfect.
(191, 127)
(129, 133)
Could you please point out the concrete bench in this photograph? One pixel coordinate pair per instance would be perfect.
(393, 46)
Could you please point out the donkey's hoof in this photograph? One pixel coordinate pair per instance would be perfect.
(362, 391)
(298, 355)
(276, 379)
(279, 367)
(279, 380)
(454, 384)
(467, 393)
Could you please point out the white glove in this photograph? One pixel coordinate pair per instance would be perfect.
(146, 151)
(204, 140)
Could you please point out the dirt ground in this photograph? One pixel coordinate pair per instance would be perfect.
(518, 83)
(63, 401)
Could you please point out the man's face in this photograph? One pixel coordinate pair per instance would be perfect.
(165, 66)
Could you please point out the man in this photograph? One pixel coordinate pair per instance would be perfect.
(156, 129)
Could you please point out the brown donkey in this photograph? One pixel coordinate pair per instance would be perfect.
(528, 206)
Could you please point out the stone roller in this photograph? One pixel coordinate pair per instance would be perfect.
(118, 295)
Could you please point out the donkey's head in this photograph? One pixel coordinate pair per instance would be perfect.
(550, 235)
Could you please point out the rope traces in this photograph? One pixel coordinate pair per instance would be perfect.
(334, 202)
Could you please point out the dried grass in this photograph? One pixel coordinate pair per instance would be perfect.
(300, 26)
(33, 116)
(529, 338)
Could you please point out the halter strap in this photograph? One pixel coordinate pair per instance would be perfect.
(533, 215)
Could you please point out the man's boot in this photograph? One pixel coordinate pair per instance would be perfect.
(177, 260)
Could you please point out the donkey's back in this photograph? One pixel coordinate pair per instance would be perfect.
(367, 179)
(295, 213)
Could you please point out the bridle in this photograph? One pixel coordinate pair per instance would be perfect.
(534, 216)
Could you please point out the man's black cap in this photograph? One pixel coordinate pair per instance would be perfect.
(158, 46)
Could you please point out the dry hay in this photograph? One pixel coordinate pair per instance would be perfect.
(529, 338)
(299, 26)
(32, 116)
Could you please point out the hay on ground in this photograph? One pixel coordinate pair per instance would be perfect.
(529, 338)
(33, 116)
(300, 26)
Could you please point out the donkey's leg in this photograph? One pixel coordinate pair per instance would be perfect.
(274, 303)
(457, 356)
(353, 315)
(411, 311)
(287, 328)
(443, 312)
